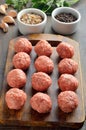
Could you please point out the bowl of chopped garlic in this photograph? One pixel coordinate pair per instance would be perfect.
(31, 20)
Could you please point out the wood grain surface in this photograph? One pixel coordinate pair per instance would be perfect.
(28, 117)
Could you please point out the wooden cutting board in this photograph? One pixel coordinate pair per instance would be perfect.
(28, 117)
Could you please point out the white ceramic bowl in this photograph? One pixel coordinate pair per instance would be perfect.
(62, 27)
(28, 28)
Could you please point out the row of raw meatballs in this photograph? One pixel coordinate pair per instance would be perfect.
(68, 83)
(16, 78)
(44, 64)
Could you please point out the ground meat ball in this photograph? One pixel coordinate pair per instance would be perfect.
(41, 103)
(43, 48)
(67, 101)
(68, 82)
(16, 78)
(44, 64)
(65, 50)
(15, 98)
(68, 66)
(21, 60)
(23, 45)
(41, 81)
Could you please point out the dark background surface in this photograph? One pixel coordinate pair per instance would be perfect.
(79, 36)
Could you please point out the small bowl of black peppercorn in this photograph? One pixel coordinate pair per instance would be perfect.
(65, 20)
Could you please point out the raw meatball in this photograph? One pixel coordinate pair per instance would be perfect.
(68, 82)
(15, 98)
(23, 45)
(41, 81)
(41, 103)
(67, 101)
(68, 66)
(65, 50)
(44, 64)
(16, 78)
(43, 48)
(21, 60)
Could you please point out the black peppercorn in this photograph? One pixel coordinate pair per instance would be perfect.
(66, 17)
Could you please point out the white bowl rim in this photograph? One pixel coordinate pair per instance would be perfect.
(70, 8)
(32, 9)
